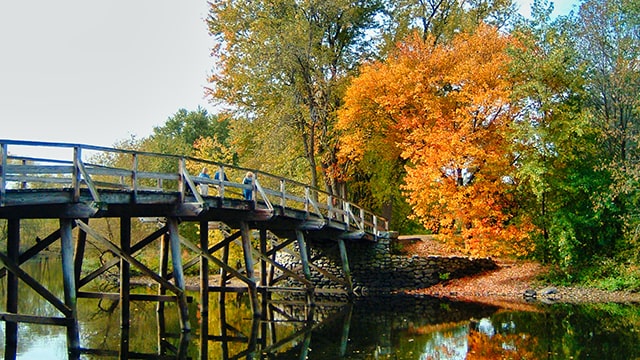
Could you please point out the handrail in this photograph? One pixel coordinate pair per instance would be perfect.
(97, 167)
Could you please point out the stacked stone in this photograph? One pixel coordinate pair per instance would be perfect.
(376, 271)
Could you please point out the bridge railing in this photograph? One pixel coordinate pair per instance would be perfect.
(47, 165)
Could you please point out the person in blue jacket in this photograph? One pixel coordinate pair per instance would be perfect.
(248, 180)
(204, 188)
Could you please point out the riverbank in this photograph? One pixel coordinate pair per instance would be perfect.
(513, 282)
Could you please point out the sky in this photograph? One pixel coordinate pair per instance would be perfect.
(98, 72)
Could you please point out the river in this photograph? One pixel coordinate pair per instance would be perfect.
(392, 327)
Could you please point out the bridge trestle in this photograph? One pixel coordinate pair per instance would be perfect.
(286, 215)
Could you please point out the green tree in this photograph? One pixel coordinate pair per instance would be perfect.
(442, 19)
(608, 41)
(562, 154)
(180, 132)
(284, 64)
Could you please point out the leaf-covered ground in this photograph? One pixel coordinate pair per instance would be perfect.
(506, 285)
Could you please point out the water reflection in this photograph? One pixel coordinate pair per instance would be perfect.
(394, 327)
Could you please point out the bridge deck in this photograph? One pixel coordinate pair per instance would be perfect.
(88, 181)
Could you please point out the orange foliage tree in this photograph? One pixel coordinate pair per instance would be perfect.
(446, 110)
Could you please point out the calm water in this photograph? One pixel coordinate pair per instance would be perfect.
(384, 328)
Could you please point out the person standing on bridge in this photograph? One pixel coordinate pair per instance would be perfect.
(220, 176)
(204, 188)
(248, 180)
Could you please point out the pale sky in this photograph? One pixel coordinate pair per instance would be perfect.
(96, 72)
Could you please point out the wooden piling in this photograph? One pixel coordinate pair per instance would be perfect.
(125, 273)
(247, 249)
(164, 268)
(345, 265)
(13, 252)
(79, 253)
(178, 275)
(304, 256)
(69, 282)
(204, 291)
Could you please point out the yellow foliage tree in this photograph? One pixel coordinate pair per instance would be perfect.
(446, 110)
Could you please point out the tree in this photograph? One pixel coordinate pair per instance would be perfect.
(608, 41)
(285, 63)
(447, 111)
(442, 19)
(556, 144)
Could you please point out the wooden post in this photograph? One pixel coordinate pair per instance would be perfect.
(75, 180)
(204, 291)
(345, 266)
(79, 253)
(164, 265)
(124, 343)
(223, 271)
(178, 275)
(223, 326)
(125, 282)
(69, 282)
(13, 252)
(3, 173)
(164, 273)
(302, 248)
(248, 265)
(344, 340)
(304, 257)
(263, 262)
(125, 273)
(161, 328)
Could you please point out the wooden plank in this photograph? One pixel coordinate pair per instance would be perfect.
(87, 180)
(231, 289)
(39, 169)
(132, 297)
(32, 319)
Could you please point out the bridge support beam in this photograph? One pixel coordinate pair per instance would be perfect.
(204, 290)
(304, 257)
(247, 250)
(11, 327)
(125, 284)
(69, 282)
(178, 273)
(345, 266)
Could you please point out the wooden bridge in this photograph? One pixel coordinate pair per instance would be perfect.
(75, 183)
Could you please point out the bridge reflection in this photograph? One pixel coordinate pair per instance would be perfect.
(284, 329)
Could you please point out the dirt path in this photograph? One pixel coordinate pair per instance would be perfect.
(509, 283)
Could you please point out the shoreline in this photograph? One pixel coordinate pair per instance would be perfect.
(509, 283)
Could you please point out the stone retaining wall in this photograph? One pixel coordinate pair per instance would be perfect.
(375, 271)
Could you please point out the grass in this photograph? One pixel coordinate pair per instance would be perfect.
(605, 273)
